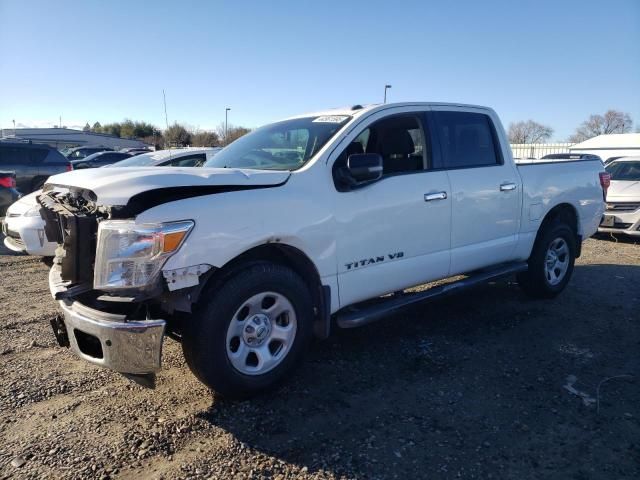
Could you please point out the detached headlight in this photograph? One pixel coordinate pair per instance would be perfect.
(131, 256)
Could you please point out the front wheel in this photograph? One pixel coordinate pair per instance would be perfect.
(551, 262)
(249, 333)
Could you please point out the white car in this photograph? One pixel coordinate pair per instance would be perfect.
(623, 198)
(24, 228)
(296, 227)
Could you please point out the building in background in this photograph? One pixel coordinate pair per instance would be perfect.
(610, 146)
(66, 137)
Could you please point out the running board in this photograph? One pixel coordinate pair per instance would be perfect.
(358, 315)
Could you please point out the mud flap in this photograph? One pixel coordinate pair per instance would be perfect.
(60, 331)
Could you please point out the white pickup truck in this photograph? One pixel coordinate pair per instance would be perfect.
(317, 221)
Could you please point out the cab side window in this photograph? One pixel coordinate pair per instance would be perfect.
(467, 140)
(399, 140)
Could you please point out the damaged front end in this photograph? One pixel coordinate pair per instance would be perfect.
(109, 319)
(71, 220)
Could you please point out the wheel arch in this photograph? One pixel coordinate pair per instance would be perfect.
(299, 262)
(568, 213)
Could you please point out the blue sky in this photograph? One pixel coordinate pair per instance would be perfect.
(552, 61)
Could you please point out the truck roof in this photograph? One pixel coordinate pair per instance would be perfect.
(358, 110)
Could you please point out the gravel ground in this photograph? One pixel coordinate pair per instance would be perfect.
(489, 385)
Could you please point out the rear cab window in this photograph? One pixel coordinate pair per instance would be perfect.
(467, 140)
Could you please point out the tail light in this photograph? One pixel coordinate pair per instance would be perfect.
(69, 167)
(605, 182)
(8, 182)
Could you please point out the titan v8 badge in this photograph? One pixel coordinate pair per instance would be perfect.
(370, 261)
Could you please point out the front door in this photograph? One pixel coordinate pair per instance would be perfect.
(395, 232)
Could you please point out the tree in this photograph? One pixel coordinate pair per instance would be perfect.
(529, 132)
(127, 129)
(233, 133)
(177, 135)
(144, 129)
(111, 129)
(613, 121)
(86, 127)
(205, 139)
(96, 127)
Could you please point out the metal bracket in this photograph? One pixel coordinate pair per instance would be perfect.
(184, 277)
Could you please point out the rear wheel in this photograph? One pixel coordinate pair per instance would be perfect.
(551, 262)
(249, 333)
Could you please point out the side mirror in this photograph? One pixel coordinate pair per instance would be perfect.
(365, 167)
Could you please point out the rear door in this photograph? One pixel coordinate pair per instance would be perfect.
(486, 197)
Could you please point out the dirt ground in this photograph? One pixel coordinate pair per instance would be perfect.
(485, 385)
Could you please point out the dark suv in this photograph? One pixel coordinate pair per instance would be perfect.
(32, 164)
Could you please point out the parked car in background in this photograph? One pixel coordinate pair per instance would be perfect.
(623, 198)
(25, 227)
(136, 151)
(8, 192)
(79, 153)
(571, 156)
(175, 157)
(32, 163)
(295, 227)
(99, 159)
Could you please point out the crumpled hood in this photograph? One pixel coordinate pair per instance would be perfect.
(115, 186)
(624, 188)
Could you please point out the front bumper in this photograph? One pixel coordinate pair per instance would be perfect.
(107, 339)
(625, 223)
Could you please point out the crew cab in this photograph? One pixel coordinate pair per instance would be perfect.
(316, 222)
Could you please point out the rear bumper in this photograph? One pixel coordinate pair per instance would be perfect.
(108, 339)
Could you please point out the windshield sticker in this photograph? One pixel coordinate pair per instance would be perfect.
(331, 119)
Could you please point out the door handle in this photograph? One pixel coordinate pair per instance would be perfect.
(430, 197)
(507, 187)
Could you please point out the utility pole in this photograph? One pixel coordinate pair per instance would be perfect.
(14, 128)
(386, 87)
(226, 119)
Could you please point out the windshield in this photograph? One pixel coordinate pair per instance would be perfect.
(144, 160)
(629, 171)
(284, 145)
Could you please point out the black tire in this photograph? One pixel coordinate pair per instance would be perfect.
(204, 336)
(535, 281)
